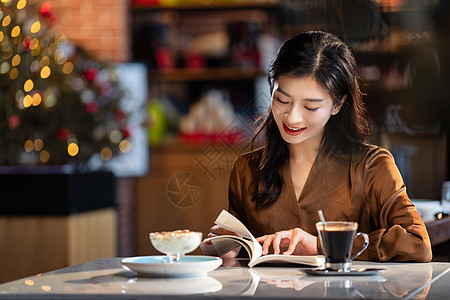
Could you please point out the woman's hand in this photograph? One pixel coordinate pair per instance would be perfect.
(217, 230)
(296, 241)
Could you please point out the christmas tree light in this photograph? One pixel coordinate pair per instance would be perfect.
(58, 105)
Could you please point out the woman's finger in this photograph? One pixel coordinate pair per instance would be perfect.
(296, 235)
(266, 244)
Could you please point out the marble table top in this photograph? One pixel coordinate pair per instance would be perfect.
(106, 279)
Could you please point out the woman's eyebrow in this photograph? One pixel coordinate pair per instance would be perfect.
(314, 99)
(283, 92)
(306, 99)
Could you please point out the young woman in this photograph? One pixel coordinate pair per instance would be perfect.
(316, 156)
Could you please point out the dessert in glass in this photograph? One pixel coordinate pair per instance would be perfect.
(175, 244)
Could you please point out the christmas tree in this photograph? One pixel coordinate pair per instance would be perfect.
(58, 105)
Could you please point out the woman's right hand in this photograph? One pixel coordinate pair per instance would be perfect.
(217, 230)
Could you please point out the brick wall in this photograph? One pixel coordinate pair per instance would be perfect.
(100, 26)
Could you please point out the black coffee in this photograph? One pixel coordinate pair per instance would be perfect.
(337, 244)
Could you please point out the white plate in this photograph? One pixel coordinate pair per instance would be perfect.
(158, 265)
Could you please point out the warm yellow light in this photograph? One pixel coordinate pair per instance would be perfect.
(28, 146)
(14, 73)
(27, 101)
(106, 154)
(37, 99)
(38, 144)
(46, 288)
(72, 149)
(45, 72)
(6, 21)
(35, 27)
(16, 60)
(15, 31)
(28, 86)
(29, 282)
(125, 146)
(1, 36)
(44, 156)
(68, 67)
(21, 4)
(34, 44)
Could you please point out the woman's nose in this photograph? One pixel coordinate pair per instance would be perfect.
(293, 115)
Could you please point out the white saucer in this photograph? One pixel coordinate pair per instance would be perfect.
(158, 265)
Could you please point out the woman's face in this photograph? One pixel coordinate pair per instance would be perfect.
(301, 108)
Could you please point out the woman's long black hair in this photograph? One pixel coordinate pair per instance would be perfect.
(331, 62)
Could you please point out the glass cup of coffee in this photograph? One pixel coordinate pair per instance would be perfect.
(337, 242)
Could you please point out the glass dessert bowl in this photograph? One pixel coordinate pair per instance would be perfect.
(175, 244)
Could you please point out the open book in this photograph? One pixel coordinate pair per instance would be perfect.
(219, 245)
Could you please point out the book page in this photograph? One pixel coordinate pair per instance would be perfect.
(307, 260)
(230, 222)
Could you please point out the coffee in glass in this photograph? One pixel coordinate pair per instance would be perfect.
(337, 242)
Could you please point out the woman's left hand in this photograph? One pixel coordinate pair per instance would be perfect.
(296, 241)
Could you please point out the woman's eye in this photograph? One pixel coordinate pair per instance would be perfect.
(279, 100)
(311, 109)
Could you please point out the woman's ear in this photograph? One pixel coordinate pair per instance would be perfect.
(338, 106)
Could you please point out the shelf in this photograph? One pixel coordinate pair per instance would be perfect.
(226, 74)
(211, 4)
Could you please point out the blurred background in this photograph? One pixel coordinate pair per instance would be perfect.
(120, 118)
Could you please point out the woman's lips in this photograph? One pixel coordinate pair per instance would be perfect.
(291, 131)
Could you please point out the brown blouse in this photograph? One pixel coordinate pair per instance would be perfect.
(366, 188)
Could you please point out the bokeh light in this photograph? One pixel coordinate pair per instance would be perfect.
(28, 146)
(68, 67)
(16, 60)
(45, 72)
(6, 21)
(72, 149)
(27, 101)
(106, 154)
(37, 99)
(35, 27)
(125, 146)
(15, 31)
(28, 85)
(38, 144)
(44, 156)
(21, 4)
(14, 73)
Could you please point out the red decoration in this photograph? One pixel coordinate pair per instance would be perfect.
(120, 116)
(126, 132)
(13, 121)
(26, 43)
(91, 74)
(46, 9)
(63, 134)
(92, 107)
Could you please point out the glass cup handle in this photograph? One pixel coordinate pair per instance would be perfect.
(366, 243)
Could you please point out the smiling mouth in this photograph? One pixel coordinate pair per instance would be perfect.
(293, 130)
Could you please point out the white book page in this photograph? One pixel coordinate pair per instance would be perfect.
(230, 222)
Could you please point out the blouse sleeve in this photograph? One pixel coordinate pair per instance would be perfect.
(402, 235)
